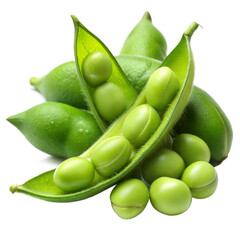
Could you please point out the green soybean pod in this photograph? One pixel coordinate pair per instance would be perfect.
(111, 156)
(61, 85)
(145, 40)
(129, 198)
(57, 129)
(181, 62)
(86, 43)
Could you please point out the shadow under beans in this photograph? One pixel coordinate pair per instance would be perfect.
(52, 160)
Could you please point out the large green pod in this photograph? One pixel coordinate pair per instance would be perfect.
(204, 118)
(145, 40)
(58, 129)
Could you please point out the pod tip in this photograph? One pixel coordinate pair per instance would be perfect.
(34, 81)
(16, 120)
(191, 29)
(13, 188)
(147, 16)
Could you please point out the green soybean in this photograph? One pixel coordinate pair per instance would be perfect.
(140, 124)
(164, 163)
(170, 196)
(97, 68)
(129, 198)
(191, 148)
(201, 178)
(181, 62)
(145, 40)
(57, 129)
(111, 155)
(109, 100)
(74, 174)
(161, 88)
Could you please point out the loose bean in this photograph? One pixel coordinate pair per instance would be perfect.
(129, 198)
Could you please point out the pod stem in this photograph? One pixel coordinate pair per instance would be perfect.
(191, 29)
(13, 188)
(35, 82)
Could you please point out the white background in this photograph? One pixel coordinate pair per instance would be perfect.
(35, 37)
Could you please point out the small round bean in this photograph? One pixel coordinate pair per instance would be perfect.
(201, 178)
(161, 88)
(191, 148)
(140, 124)
(165, 163)
(170, 196)
(97, 68)
(111, 155)
(129, 198)
(74, 174)
(109, 101)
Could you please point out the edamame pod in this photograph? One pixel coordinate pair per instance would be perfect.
(61, 85)
(145, 40)
(58, 129)
(181, 62)
(204, 118)
(86, 43)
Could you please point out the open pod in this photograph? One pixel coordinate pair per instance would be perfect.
(180, 60)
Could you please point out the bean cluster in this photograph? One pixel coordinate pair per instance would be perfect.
(139, 149)
(161, 172)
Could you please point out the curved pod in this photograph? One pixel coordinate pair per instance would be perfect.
(181, 62)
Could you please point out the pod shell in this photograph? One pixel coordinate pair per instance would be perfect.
(57, 129)
(61, 85)
(145, 40)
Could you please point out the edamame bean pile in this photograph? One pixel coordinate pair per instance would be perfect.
(134, 122)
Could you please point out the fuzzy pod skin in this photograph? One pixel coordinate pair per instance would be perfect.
(145, 40)
(204, 118)
(129, 198)
(57, 129)
(61, 85)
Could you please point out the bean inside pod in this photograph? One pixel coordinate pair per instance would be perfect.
(180, 61)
